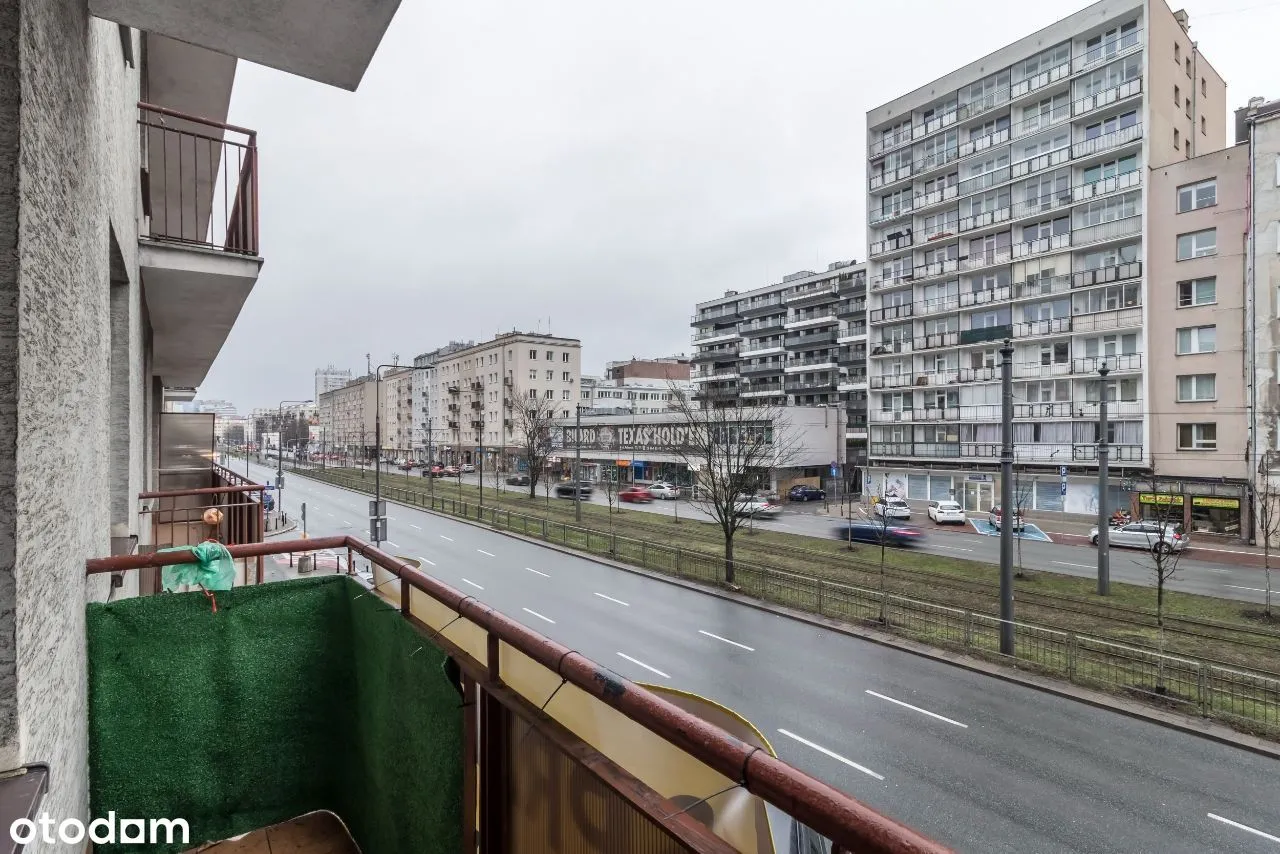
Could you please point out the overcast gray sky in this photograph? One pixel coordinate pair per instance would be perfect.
(602, 166)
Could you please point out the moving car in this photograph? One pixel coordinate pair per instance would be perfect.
(567, 490)
(450, 471)
(997, 514)
(467, 468)
(1151, 536)
(432, 471)
(518, 480)
(754, 505)
(943, 512)
(804, 492)
(635, 495)
(664, 490)
(893, 508)
(870, 531)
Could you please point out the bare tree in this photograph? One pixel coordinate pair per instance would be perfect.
(1267, 499)
(878, 516)
(727, 444)
(1022, 490)
(1163, 524)
(533, 419)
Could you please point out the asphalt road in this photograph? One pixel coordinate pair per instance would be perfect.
(977, 763)
(1198, 571)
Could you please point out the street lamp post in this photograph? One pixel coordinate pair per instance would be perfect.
(280, 451)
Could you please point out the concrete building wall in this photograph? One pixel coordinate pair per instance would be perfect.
(1227, 364)
(653, 369)
(1183, 88)
(397, 414)
(68, 179)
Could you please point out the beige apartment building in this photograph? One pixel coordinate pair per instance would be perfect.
(474, 389)
(397, 413)
(1199, 355)
(347, 416)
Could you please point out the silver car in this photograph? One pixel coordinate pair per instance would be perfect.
(1151, 536)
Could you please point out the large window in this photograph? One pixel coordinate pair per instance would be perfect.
(1109, 77)
(1198, 244)
(1197, 339)
(1195, 196)
(1042, 62)
(1198, 292)
(1115, 123)
(1198, 437)
(1109, 298)
(1111, 168)
(1107, 210)
(1192, 387)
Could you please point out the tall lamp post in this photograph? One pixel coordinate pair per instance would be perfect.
(280, 450)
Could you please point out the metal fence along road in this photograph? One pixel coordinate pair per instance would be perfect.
(1247, 700)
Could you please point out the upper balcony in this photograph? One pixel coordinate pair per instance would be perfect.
(466, 732)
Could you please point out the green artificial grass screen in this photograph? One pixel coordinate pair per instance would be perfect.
(294, 696)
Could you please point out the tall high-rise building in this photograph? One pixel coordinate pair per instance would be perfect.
(798, 342)
(1011, 200)
(330, 378)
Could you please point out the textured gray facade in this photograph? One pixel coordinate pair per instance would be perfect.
(74, 376)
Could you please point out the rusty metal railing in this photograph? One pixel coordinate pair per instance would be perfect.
(494, 706)
(200, 180)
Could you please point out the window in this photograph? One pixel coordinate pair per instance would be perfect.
(1189, 74)
(1198, 244)
(533, 354)
(533, 392)
(1192, 387)
(551, 375)
(1197, 339)
(1195, 196)
(533, 373)
(1188, 152)
(550, 356)
(1177, 96)
(564, 357)
(1177, 138)
(1197, 437)
(1115, 123)
(565, 394)
(1177, 53)
(550, 393)
(1204, 89)
(1188, 108)
(1198, 292)
(564, 377)
(1203, 131)
(1111, 169)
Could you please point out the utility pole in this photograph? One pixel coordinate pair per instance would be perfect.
(1008, 517)
(577, 464)
(1104, 522)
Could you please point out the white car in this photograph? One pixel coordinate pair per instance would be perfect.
(893, 508)
(1151, 536)
(943, 512)
(664, 490)
(756, 506)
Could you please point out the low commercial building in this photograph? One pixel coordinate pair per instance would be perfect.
(647, 448)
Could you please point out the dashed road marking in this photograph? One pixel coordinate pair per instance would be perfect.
(640, 663)
(836, 756)
(539, 616)
(726, 640)
(917, 709)
(611, 599)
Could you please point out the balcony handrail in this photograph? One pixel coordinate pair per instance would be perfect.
(838, 817)
(200, 120)
(203, 490)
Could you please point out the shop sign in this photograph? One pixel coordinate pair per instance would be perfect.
(669, 438)
(1209, 501)
(1160, 498)
(978, 478)
(622, 464)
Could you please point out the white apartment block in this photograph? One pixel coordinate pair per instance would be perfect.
(473, 390)
(641, 395)
(330, 378)
(1009, 200)
(429, 427)
(397, 412)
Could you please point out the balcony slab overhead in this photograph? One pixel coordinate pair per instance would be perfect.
(194, 296)
(331, 42)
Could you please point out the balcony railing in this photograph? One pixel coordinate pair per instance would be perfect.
(887, 346)
(892, 244)
(939, 339)
(1113, 48)
(813, 340)
(750, 368)
(893, 416)
(795, 386)
(199, 180)
(1089, 103)
(1106, 275)
(1114, 230)
(750, 307)
(1116, 453)
(986, 333)
(1103, 321)
(893, 380)
(501, 671)
(929, 198)
(938, 305)
(813, 289)
(890, 176)
(1037, 328)
(892, 449)
(850, 307)
(758, 326)
(1107, 141)
(708, 334)
(1116, 363)
(890, 312)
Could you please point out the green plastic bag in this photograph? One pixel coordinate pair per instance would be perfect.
(214, 568)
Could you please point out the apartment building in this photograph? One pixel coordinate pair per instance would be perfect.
(330, 378)
(346, 417)
(1010, 200)
(643, 395)
(476, 388)
(397, 413)
(430, 429)
(666, 368)
(798, 342)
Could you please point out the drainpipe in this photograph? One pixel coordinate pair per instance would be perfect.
(1251, 332)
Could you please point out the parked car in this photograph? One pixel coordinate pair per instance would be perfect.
(664, 490)
(566, 489)
(450, 471)
(635, 495)
(943, 512)
(804, 492)
(893, 508)
(1151, 536)
(997, 514)
(432, 471)
(518, 480)
(405, 466)
(755, 505)
(870, 531)
(468, 468)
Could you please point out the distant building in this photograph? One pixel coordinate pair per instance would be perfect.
(346, 417)
(397, 412)
(428, 425)
(632, 394)
(330, 378)
(668, 368)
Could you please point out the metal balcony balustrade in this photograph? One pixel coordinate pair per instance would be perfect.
(851, 330)
(760, 305)
(708, 334)
(793, 386)
(814, 289)
(1102, 321)
(1106, 231)
(886, 346)
(199, 180)
(893, 380)
(851, 307)
(1106, 275)
(936, 340)
(1120, 453)
(721, 314)
(1115, 47)
(1105, 98)
(889, 177)
(755, 368)
(1118, 363)
(1038, 328)
(501, 667)
(891, 449)
(812, 340)
(762, 347)
(988, 333)
(890, 312)
(1106, 142)
(891, 244)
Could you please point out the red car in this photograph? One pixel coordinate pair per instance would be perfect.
(635, 495)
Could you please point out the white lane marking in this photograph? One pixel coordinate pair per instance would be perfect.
(345, 522)
(952, 548)
(1238, 587)
(393, 545)
(1244, 827)
(424, 560)
(1221, 571)
(1081, 565)
(726, 640)
(618, 601)
(836, 756)
(916, 709)
(472, 583)
(642, 664)
(411, 525)
(483, 552)
(536, 572)
(443, 537)
(539, 616)
(330, 514)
